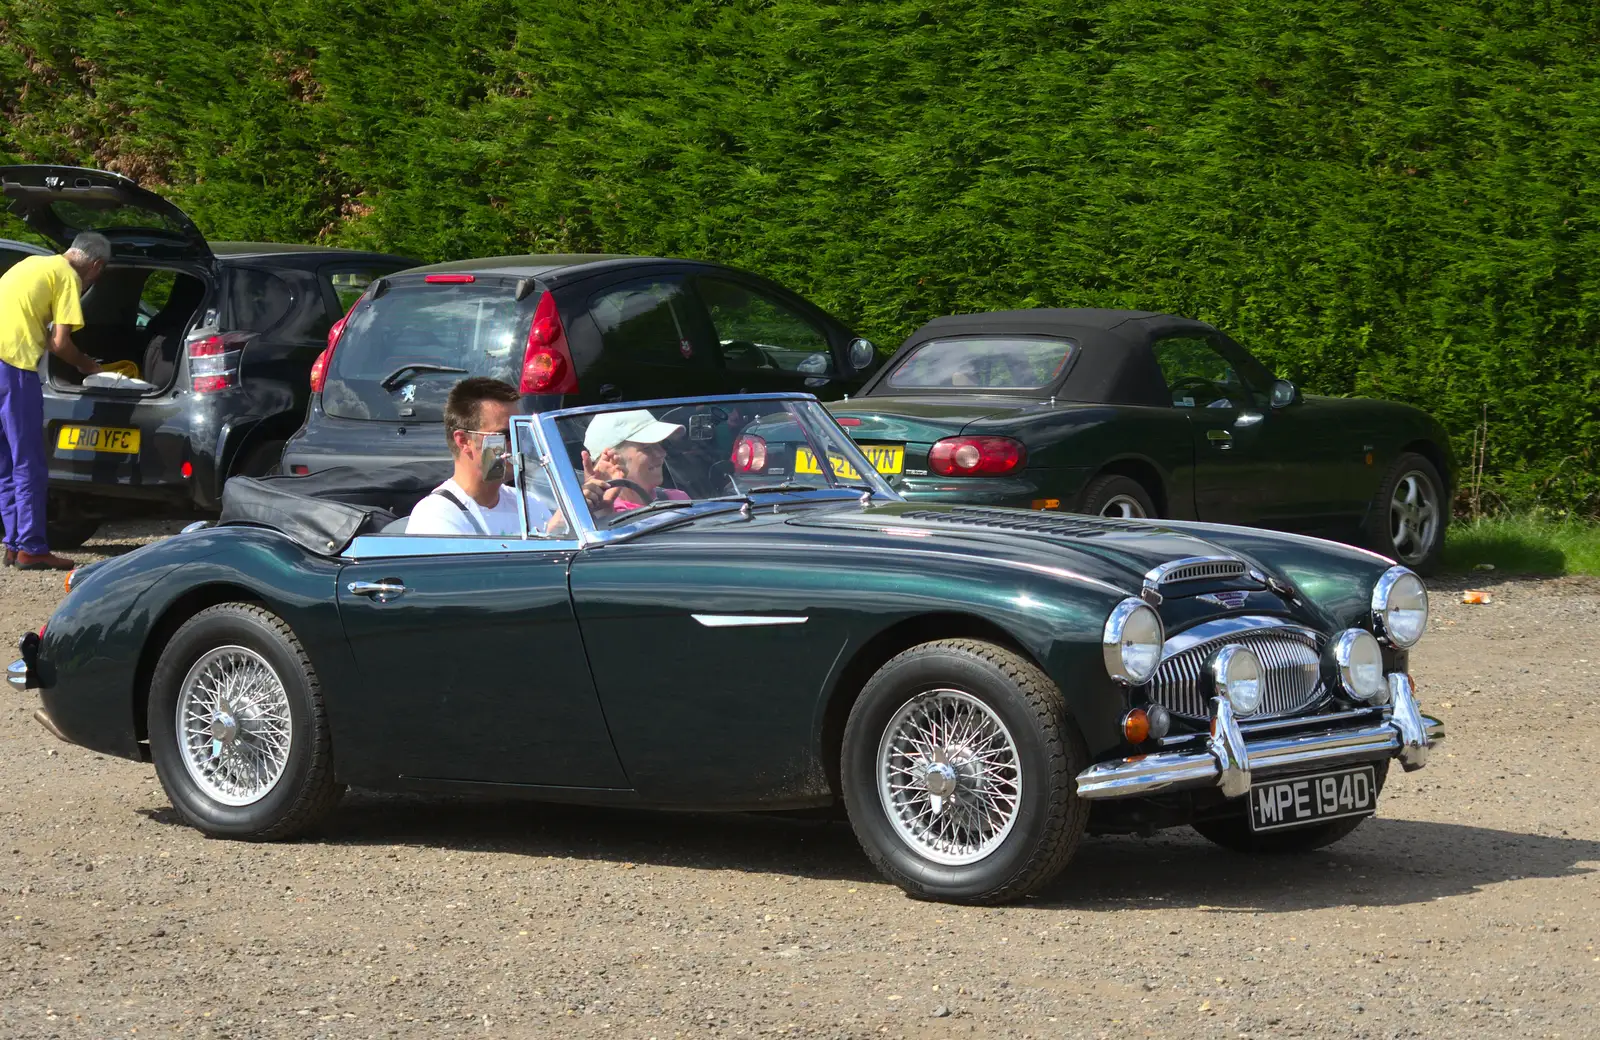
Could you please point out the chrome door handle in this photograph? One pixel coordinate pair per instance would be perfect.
(1221, 437)
(378, 590)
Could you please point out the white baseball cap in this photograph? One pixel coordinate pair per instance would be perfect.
(609, 429)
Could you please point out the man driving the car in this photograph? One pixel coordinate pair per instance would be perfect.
(475, 500)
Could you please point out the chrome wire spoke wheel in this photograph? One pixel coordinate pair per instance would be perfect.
(1125, 507)
(233, 725)
(949, 777)
(1413, 516)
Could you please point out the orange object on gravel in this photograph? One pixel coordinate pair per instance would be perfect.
(1476, 596)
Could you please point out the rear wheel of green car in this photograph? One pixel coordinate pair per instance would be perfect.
(959, 770)
(237, 727)
(1234, 831)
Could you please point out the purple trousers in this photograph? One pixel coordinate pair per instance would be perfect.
(24, 470)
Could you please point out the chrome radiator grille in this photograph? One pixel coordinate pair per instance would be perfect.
(1291, 670)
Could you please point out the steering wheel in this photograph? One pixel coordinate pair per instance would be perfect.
(644, 496)
(1205, 387)
(743, 355)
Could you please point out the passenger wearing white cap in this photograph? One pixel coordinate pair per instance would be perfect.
(634, 439)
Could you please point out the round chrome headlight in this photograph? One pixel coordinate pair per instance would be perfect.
(1132, 642)
(1236, 675)
(1400, 607)
(1360, 661)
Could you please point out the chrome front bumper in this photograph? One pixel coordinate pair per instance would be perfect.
(1232, 762)
(17, 674)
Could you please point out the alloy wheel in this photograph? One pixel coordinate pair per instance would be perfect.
(1124, 507)
(233, 725)
(1413, 517)
(949, 777)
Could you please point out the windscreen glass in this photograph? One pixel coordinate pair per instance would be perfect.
(665, 457)
(401, 353)
(983, 363)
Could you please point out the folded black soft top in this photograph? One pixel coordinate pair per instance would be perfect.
(326, 510)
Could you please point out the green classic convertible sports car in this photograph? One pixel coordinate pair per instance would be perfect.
(979, 687)
(1135, 414)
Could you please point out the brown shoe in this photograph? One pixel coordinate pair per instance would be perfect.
(27, 561)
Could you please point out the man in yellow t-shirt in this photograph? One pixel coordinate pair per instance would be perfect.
(36, 293)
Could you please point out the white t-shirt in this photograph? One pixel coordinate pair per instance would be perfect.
(436, 514)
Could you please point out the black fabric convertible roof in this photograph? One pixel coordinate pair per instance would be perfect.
(1114, 363)
(324, 511)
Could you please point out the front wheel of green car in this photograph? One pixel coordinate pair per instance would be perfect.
(237, 727)
(1234, 831)
(959, 770)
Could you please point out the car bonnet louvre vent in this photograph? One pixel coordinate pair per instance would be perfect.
(1019, 520)
(1196, 568)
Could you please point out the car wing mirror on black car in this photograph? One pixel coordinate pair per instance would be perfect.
(1284, 393)
(862, 353)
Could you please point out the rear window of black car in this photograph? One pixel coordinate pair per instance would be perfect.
(401, 353)
(983, 363)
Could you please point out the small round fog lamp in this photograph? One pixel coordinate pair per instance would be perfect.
(1236, 675)
(1360, 661)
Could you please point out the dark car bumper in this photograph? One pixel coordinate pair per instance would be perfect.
(1232, 760)
(201, 431)
(984, 491)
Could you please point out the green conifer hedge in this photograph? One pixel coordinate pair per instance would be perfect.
(1389, 199)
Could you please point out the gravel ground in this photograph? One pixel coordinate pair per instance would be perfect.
(1467, 908)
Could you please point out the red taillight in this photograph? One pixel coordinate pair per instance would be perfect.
(214, 363)
(299, 470)
(547, 363)
(187, 469)
(450, 279)
(848, 420)
(976, 456)
(749, 454)
(319, 367)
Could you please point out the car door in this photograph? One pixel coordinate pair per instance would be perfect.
(766, 344)
(1238, 473)
(653, 341)
(474, 666)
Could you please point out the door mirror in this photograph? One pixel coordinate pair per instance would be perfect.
(862, 353)
(1284, 393)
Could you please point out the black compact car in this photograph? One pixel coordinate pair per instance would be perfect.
(568, 330)
(1137, 415)
(11, 251)
(222, 335)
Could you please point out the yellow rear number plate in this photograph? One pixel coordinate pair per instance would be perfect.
(887, 459)
(98, 438)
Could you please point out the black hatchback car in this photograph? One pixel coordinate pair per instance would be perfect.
(223, 336)
(568, 330)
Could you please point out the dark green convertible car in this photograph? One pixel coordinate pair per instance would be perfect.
(1135, 414)
(675, 624)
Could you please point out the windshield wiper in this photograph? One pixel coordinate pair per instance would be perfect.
(665, 503)
(778, 489)
(395, 378)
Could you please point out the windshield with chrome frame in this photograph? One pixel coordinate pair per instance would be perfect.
(627, 461)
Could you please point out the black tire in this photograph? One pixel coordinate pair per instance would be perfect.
(69, 532)
(1234, 832)
(262, 460)
(1114, 495)
(305, 792)
(1050, 818)
(1382, 522)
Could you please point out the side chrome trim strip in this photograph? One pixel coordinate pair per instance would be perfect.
(747, 620)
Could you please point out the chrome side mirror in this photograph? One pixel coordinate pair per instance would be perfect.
(862, 353)
(1284, 393)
